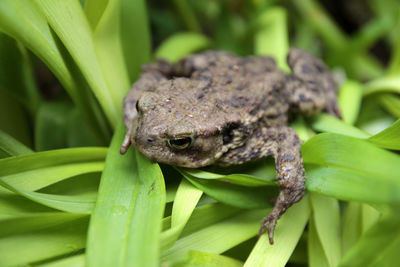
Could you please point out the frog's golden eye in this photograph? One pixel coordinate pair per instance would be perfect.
(180, 143)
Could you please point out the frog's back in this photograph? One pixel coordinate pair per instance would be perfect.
(251, 87)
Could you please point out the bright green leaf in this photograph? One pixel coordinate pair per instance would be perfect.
(180, 45)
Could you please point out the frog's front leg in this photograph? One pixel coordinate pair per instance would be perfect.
(148, 81)
(284, 144)
(311, 87)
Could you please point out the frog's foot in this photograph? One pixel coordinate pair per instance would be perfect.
(284, 201)
(125, 144)
(332, 108)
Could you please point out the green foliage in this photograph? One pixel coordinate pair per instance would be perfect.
(67, 200)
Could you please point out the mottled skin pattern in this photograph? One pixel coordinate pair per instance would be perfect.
(233, 110)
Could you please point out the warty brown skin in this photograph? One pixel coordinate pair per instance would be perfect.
(233, 110)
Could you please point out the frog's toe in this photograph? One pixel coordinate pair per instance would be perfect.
(268, 225)
(333, 109)
(125, 144)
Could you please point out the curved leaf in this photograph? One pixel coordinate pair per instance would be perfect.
(180, 45)
(350, 169)
(235, 195)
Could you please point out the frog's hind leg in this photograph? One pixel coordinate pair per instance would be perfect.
(152, 75)
(284, 144)
(311, 87)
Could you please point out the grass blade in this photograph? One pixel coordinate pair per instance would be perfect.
(330, 124)
(350, 96)
(67, 19)
(73, 204)
(186, 199)
(376, 245)
(238, 179)
(145, 225)
(22, 20)
(351, 169)
(388, 138)
(316, 254)
(271, 38)
(181, 44)
(107, 230)
(287, 234)
(235, 195)
(34, 171)
(198, 258)
(11, 147)
(107, 41)
(135, 36)
(74, 261)
(128, 211)
(219, 237)
(44, 243)
(326, 220)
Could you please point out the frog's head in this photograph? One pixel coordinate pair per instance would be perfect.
(175, 128)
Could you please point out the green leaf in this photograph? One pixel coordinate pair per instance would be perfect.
(330, 124)
(135, 36)
(11, 147)
(187, 15)
(235, 195)
(107, 41)
(15, 205)
(16, 75)
(35, 171)
(94, 10)
(357, 219)
(378, 246)
(51, 125)
(350, 169)
(148, 212)
(350, 96)
(73, 261)
(388, 138)
(391, 102)
(326, 221)
(13, 119)
(30, 222)
(128, 210)
(181, 44)
(271, 38)
(287, 234)
(208, 215)
(68, 21)
(218, 237)
(79, 133)
(238, 179)
(199, 259)
(28, 247)
(186, 199)
(385, 84)
(22, 20)
(316, 254)
(73, 204)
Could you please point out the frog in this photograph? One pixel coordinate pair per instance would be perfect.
(217, 108)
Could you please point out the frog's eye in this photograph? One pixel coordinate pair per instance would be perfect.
(180, 143)
(137, 105)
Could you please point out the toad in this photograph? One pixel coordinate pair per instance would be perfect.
(218, 108)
